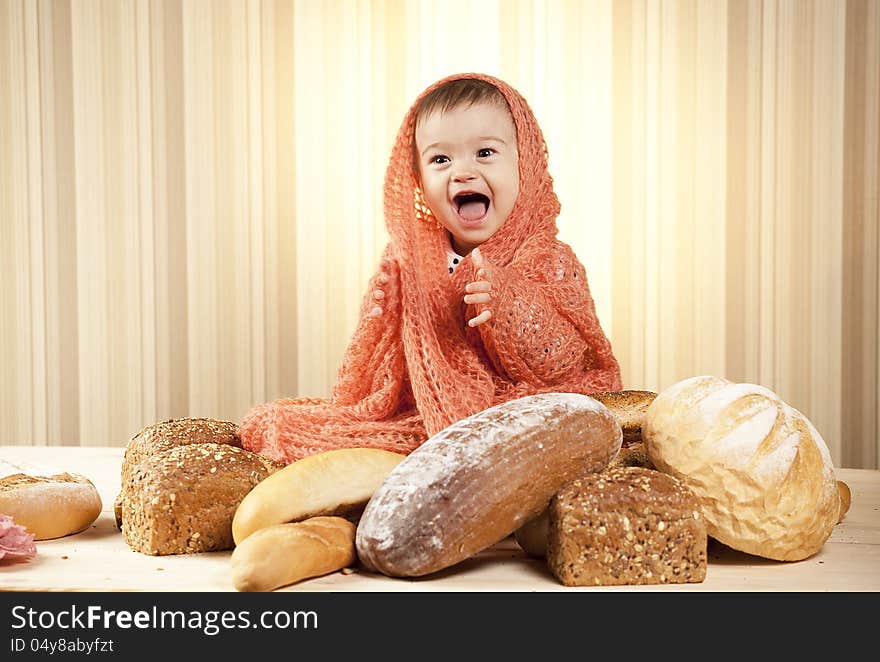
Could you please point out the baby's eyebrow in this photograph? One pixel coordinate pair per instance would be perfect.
(431, 146)
(496, 138)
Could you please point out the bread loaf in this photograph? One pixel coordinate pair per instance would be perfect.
(532, 536)
(626, 526)
(629, 408)
(760, 470)
(159, 437)
(283, 554)
(475, 482)
(845, 499)
(183, 500)
(335, 482)
(49, 506)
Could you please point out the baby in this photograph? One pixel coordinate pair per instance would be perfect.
(475, 302)
(467, 160)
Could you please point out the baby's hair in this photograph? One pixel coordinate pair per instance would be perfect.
(458, 93)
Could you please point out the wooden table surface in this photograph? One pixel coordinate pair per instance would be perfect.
(99, 560)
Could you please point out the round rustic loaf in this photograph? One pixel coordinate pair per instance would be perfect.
(762, 473)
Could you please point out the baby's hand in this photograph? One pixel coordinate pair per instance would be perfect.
(479, 292)
(379, 293)
(375, 311)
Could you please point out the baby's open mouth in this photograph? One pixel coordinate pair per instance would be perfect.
(471, 206)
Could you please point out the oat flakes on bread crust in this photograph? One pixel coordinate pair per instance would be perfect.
(165, 435)
(628, 525)
(183, 500)
(628, 407)
(174, 432)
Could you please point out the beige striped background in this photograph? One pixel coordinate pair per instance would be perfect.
(190, 193)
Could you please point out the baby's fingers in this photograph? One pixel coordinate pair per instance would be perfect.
(378, 295)
(482, 318)
(478, 286)
(482, 297)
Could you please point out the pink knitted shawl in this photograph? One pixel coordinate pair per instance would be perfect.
(419, 367)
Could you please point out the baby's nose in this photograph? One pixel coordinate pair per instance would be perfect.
(464, 175)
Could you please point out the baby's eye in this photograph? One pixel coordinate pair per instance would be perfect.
(439, 159)
(485, 152)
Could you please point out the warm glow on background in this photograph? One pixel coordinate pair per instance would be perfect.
(190, 193)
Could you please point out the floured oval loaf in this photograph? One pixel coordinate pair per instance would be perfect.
(761, 471)
(335, 482)
(478, 480)
(50, 506)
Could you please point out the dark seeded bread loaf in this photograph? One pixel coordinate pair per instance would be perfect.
(159, 437)
(183, 500)
(626, 526)
(169, 434)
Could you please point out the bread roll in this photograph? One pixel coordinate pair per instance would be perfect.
(761, 472)
(336, 482)
(532, 536)
(477, 481)
(50, 506)
(286, 553)
(845, 499)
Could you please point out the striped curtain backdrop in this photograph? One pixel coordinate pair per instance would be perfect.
(191, 193)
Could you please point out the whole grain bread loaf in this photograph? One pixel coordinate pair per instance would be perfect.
(169, 434)
(183, 499)
(165, 435)
(629, 525)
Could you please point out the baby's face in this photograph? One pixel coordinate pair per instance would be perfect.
(468, 165)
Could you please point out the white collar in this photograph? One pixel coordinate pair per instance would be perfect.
(453, 259)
